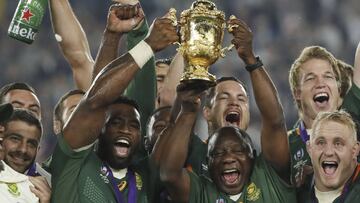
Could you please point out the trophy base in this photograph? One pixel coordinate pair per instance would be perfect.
(198, 76)
(196, 84)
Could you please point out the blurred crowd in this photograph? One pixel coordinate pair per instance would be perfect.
(282, 29)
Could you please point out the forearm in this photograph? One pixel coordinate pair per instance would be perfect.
(172, 172)
(266, 98)
(72, 41)
(173, 160)
(112, 81)
(108, 51)
(356, 77)
(172, 79)
(274, 140)
(143, 87)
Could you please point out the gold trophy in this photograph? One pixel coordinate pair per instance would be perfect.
(202, 31)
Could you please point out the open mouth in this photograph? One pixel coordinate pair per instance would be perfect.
(232, 118)
(122, 147)
(231, 176)
(321, 99)
(329, 167)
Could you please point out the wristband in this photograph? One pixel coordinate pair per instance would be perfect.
(254, 66)
(141, 53)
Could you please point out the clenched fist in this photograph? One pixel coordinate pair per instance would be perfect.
(162, 34)
(242, 40)
(124, 18)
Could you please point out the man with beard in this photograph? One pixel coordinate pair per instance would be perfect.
(126, 20)
(237, 173)
(22, 133)
(14, 186)
(109, 175)
(315, 79)
(333, 149)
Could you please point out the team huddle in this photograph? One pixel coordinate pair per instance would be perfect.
(126, 133)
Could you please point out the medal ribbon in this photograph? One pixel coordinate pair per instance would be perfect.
(132, 196)
(303, 133)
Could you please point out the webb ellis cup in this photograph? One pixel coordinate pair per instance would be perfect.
(202, 31)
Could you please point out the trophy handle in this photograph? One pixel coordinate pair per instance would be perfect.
(225, 50)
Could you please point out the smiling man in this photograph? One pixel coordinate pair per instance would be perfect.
(237, 174)
(110, 174)
(21, 140)
(315, 79)
(22, 134)
(333, 149)
(227, 104)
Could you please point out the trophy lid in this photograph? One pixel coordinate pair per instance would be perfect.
(208, 4)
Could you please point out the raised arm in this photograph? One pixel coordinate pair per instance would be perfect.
(168, 93)
(143, 87)
(172, 171)
(356, 77)
(110, 83)
(73, 42)
(274, 140)
(119, 21)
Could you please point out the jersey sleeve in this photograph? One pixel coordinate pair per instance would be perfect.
(65, 166)
(352, 102)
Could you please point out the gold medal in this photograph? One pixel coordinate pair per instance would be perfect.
(13, 189)
(122, 185)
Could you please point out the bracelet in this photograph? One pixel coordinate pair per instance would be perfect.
(141, 53)
(254, 66)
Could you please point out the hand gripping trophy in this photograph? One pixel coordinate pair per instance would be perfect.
(202, 31)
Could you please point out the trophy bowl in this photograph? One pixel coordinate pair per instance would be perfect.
(202, 31)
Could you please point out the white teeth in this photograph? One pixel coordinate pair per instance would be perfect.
(329, 162)
(322, 94)
(230, 171)
(122, 141)
(233, 112)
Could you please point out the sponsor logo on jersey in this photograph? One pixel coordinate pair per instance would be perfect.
(138, 180)
(299, 154)
(253, 192)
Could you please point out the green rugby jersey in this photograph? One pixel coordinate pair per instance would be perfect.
(299, 155)
(196, 160)
(351, 196)
(264, 186)
(79, 177)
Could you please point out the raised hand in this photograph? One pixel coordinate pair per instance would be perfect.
(189, 96)
(162, 34)
(124, 18)
(41, 188)
(242, 39)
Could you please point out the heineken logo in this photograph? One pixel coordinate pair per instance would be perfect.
(23, 32)
(26, 15)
